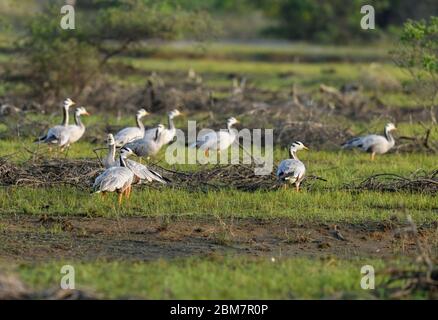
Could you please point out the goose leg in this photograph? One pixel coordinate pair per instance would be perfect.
(207, 153)
(373, 154)
(297, 187)
(128, 193)
(120, 198)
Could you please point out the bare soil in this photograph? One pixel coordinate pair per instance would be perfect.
(30, 238)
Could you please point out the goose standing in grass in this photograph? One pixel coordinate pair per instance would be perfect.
(145, 147)
(116, 179)
(218, 140)
(292, 170)
(54, 134)
(140, 171)
(74, 132)
(168, 133)
(373, 143)
(130, 134)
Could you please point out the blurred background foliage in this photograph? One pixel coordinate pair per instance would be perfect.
(322, 21)
(58, 62)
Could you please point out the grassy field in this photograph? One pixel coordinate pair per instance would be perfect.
(216, 278)
(301, 274)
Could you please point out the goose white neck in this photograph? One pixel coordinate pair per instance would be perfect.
(171, 125)
(78, 121)
(65, 117)
(122, 161)
(293, 154)
(388, 136)
(140, 124)
(111, 153)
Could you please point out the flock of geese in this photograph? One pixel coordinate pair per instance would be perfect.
(121, 173)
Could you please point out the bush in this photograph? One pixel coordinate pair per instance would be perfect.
(418, 54)
(63, 62)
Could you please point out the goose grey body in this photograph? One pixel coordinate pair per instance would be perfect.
(374, 144)
(140, 171)
(73, 133)
(168, 133)
(55, 134)
(218, 140)
(145, 147)
(130, 134)
(115, 179)
(292, 170)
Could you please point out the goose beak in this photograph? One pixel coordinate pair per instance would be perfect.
(86, 113)
(305, 148)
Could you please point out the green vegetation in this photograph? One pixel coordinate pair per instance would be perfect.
(418, 55)
(316, 206)
(110, 58)
(55, 56)
(325, 201)
(216, 278)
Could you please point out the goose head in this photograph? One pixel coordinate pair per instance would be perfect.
(160, 129)
(390, 127)
(142, 113)
(125, 152)
(231, 121)
(81, 111)
(110, 140)
(297, 146)
(174, 113)
(68, 103)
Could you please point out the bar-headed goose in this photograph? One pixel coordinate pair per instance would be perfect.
(168, 133)
(73, 133)
(54, 134)
(218, 140)
(130, 134)
(373, 143)
(116, 179)
(140, 171)
(292, 170)
(145, 147)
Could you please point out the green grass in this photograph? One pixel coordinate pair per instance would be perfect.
(300, 207)
(324, 201)
(383, 80)
(215, 278)
(264, 51)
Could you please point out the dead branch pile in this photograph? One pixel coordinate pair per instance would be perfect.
(235, 176)
(79, 173)
(420, 278)
(425, 182)
(241, 177)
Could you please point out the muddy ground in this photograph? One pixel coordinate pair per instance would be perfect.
(39, 239)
